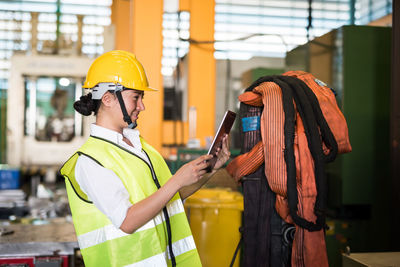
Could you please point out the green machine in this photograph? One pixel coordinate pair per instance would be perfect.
(356, 62)
(252, 75)
(184, 155)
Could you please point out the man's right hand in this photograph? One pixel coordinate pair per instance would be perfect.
(192, 172)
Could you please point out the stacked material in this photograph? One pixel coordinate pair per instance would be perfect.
(12, 202)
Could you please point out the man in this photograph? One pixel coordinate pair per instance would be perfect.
(126, 205)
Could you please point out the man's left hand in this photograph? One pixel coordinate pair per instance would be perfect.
(222, 154)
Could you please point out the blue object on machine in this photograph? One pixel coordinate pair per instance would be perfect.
(9, 178)
(251, 123)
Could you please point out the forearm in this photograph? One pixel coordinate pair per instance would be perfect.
(189, 190)
(140, 213)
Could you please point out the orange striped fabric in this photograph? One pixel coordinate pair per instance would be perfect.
(251, 99)
(333, 116)
(242, 166)
(272, 132)
(309, 248)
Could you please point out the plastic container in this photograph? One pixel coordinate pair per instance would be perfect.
(215, 216)
(9, 178)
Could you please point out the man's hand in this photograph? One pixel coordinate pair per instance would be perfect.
(192, 172)
(222, 154)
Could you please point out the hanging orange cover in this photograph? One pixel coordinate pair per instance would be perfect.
(309, 248)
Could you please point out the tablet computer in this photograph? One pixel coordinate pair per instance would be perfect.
(224, 128)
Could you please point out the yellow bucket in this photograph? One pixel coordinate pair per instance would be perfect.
(215, 216)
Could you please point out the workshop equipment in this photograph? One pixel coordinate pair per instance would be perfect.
(48, 245)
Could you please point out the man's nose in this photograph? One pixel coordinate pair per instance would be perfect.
(140, 105)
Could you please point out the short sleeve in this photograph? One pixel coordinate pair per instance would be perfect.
(104, 188)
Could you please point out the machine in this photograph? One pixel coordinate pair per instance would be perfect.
(43, 128)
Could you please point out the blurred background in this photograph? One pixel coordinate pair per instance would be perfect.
(200, 55)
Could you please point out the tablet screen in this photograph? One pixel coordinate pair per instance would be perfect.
(224, 128)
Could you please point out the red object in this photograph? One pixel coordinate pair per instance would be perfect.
(27, 260)
(309, 248)
(32, 260)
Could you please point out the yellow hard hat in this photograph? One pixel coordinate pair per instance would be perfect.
(118, 67)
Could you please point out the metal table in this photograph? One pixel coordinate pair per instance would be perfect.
(54, 241)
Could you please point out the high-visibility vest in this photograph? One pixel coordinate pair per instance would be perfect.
(101, 243)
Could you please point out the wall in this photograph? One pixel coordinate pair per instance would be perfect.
(228, 99)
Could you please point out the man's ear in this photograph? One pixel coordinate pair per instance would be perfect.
(108, 99)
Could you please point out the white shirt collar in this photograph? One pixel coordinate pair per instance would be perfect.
(133, 135)
(105, 133)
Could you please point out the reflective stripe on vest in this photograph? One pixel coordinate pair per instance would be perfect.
(104, 245)
(110, 232)
(179, 247)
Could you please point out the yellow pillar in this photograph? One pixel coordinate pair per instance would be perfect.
(184, 5)
(201, 74)
(140, 33)
(147, 45)
(201, 91)
(121, 19)
(139, 30)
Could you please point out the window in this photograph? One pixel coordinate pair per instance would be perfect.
(49, 113)
(271, 28)
(53, 17)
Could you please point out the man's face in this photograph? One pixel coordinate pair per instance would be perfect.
(133, 100)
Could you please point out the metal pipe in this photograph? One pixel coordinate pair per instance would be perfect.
(80, 34)
(58, 13)
(34, 31)
(309, 26)
(32, 83)
(78, 117)
(352, 11)
(395, 123)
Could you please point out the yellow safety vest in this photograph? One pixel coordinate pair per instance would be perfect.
(100, 242)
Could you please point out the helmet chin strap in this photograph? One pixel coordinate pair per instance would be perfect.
(127, 118)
